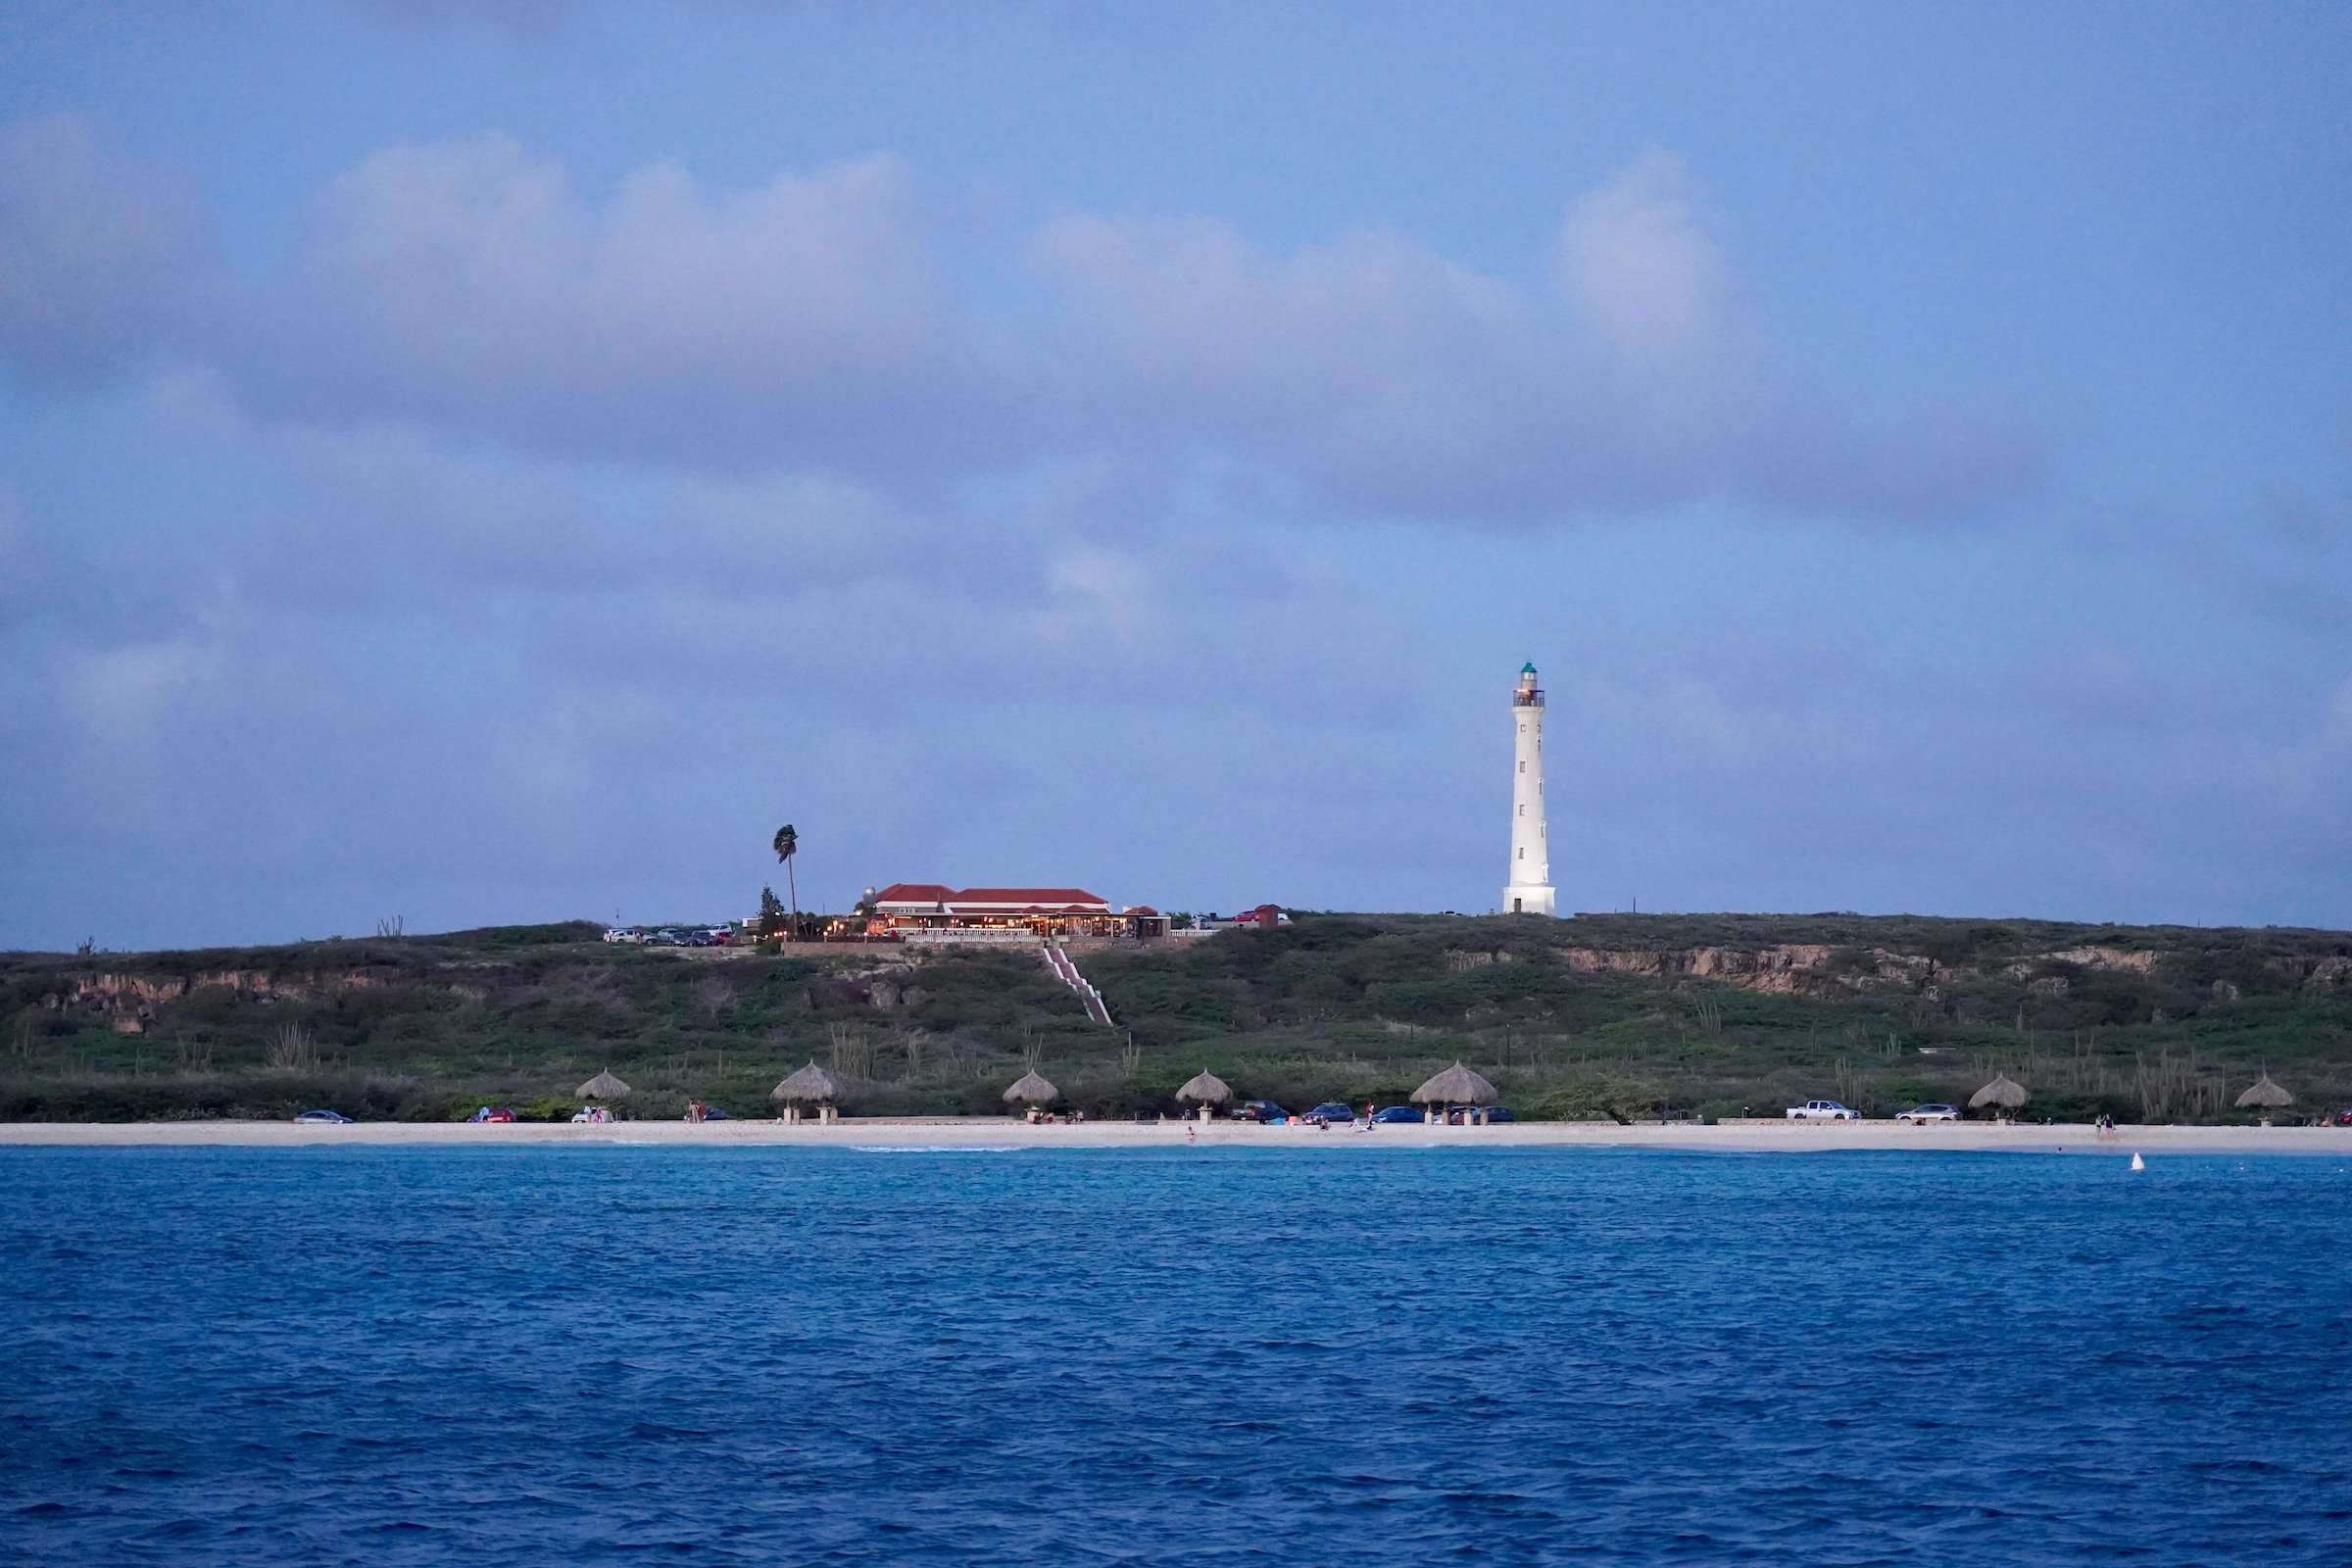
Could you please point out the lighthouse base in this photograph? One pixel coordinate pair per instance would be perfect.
(1527, 898)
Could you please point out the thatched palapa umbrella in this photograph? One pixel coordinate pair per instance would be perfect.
(1205, 1090)
(810, 1085)
(2002, 1093)
(1033, 1090)
(604, 1086)
(2264, 1096)
(1457, 1085)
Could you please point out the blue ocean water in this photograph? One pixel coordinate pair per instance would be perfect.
(606, 1355)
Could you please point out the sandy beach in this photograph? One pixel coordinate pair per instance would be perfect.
(1755, 1136)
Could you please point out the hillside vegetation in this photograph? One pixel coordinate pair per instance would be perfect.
(1610, 1015)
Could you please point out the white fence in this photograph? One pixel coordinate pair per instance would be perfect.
(949, 937)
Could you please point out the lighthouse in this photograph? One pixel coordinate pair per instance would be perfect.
(1530, 889)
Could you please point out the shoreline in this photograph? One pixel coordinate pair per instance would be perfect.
(947, 1133)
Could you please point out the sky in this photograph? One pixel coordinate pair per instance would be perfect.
(488, 462)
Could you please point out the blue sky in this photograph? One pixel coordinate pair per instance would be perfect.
(482, 462)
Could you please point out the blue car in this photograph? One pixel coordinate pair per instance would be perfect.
(335, 1116)
(1331, 1113)
(1397, 1113)
(1259, 1110)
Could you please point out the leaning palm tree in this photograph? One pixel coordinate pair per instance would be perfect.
(787, 844)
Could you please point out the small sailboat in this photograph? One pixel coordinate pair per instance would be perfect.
(2138, 1164)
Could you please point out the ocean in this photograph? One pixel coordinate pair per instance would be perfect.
(586, 1356)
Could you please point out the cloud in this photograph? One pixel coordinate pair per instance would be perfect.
(104, 261)
(385, 512)
(121, 694)
(469, 285)
(1391, 378)
(1637, 266)
(807, 324)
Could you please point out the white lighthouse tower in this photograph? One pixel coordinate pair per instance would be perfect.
(1530, 891)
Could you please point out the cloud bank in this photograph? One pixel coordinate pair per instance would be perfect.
(471, 288)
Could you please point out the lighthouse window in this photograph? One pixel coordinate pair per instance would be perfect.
(1523, 810)
(1522, 768)
(1523, 852)
(1522, 729)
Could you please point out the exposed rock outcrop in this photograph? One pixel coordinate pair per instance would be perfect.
(123, 997)
(1783, 969)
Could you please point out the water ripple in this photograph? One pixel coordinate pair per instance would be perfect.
(609, 1355)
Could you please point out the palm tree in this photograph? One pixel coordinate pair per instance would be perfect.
(788, 844)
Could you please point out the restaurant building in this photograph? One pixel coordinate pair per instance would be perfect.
(1047, 912)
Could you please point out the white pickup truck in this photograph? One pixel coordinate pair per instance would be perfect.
(1822, 1111)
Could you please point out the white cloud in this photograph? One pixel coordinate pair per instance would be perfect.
(1637, 266)
(472, 285)
(1394, 380)
(1098, 598)
(121, 694)
(472, 289)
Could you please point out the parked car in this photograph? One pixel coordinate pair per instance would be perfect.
(2343, 1119)
(1330, 1113)
(1822, 1111)
(1465, 1115)
(622, 933)
(721, 936)
(492, 1114)
(1392, 1115)
(1259, 1110)
(1927, 1113)
(335, 1116)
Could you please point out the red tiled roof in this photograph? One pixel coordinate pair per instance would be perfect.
(914, 893)
(1140, 909)
(1052, 896)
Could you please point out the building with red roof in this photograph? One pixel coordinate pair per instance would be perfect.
(1048, 911)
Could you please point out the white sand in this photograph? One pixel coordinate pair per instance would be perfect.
(967, 1132)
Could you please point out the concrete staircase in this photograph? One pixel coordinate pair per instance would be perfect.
(1066, 971)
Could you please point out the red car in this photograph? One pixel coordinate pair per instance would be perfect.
(492, 1114)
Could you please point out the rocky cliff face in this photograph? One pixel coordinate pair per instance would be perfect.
(128, 1001)
(1800, 969)
(1784, 970)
